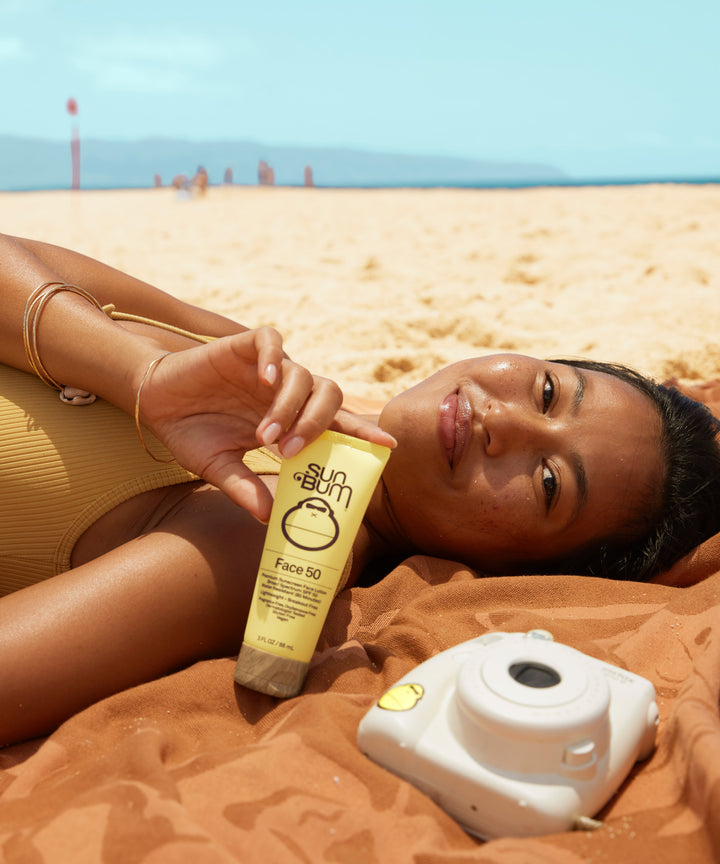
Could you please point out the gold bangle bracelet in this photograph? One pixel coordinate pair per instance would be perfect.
(146, 376)
(33, 310)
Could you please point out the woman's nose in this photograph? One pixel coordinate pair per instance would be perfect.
(509, 426)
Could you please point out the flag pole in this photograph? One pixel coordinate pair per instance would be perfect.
(72, 109)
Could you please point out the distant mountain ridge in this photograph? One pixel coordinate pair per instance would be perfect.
(32, 163)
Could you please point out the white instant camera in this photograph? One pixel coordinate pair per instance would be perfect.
(513, 734)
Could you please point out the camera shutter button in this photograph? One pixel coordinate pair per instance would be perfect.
(580, 755)
(545, 635)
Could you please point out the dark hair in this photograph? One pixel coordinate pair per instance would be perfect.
(688, 509)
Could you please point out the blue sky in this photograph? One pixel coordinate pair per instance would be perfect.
(599, 88)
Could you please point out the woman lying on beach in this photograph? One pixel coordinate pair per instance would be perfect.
(118, 568)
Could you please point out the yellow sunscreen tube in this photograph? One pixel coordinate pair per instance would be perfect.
(321, 498)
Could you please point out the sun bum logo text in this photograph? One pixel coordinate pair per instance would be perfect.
(325, 481)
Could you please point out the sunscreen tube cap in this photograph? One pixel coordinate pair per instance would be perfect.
(268, 673)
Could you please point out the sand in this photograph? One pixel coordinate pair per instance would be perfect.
(379, 288)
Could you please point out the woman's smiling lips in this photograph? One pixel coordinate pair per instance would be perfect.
(454, 426)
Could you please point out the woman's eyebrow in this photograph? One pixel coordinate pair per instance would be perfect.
(579, 390)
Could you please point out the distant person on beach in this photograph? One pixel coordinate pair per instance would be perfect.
(120, 565)
(200, 181)
(266, 175)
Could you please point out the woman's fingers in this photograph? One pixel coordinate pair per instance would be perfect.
(316, 415)
(211, 404)
(268, 344)
(360, 427)
(243, 487)
(304, 406)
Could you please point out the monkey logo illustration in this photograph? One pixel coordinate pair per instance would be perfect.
(311, 525)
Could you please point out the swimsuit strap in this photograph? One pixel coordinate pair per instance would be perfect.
(111, 311)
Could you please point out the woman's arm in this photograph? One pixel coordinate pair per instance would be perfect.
(77, 343)
(128, 294)
(177, 594)
(208, 404)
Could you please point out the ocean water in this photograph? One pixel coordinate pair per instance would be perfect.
(440, 184)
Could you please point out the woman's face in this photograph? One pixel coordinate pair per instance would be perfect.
(505, 460)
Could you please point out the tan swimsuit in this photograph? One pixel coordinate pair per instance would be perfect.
(62, 467)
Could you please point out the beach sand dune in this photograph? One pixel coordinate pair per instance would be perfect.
(378, 288)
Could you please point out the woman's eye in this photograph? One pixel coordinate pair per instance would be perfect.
(549, 485)
(548, 393)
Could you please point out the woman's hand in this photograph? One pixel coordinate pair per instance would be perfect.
(212, 403)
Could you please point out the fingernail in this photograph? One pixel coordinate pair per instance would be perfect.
(271, 434)
(292, 447)
(271, 373)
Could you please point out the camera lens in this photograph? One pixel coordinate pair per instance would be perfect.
(534, 675)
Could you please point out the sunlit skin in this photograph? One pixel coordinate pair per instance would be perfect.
(486, 471)
(509, 459)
